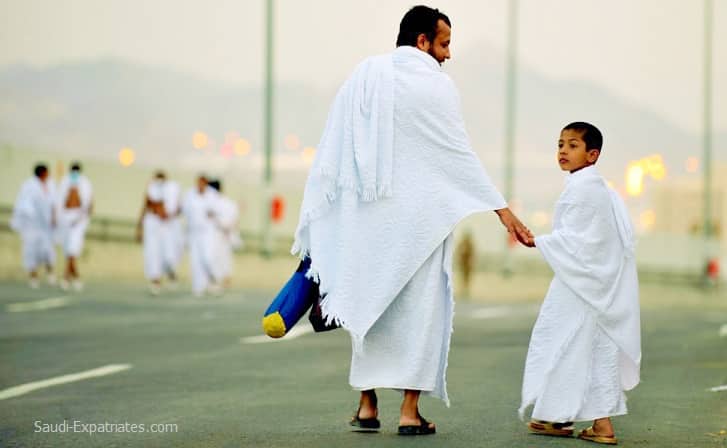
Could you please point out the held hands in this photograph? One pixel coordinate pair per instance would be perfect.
(515, 227)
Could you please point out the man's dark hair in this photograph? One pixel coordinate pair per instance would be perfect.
(419, 20)
(40, 169)
(160, 174)
(589, 133)
(76, 166)
(216, 184)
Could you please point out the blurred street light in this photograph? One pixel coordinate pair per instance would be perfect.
(634, 179)
(127, 156)
(292, 142)
(242, 147)
(692, 165)
(200, 140)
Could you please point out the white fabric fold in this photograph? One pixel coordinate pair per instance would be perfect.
(591, 252)
(365, 247)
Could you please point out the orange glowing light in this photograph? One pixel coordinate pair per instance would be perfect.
(692, 165)
(292, 142)
(242, 147)
(126, 157)
(200, 140)
(634, 179)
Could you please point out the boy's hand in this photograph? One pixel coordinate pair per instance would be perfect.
(515, 227)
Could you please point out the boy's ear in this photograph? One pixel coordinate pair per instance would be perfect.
(593, 155)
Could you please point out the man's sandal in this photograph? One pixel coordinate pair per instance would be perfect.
(588, 434)
(551, 429)
(371, 424)
(422, 429)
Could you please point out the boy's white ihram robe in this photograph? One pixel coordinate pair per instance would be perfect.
(393, 176)
(585, 349)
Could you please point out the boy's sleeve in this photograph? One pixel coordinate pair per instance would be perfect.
(584, 254)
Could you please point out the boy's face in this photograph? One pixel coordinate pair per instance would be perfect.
(572, 152)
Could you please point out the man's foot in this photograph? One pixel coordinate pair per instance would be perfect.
(415, 427)
(77, 285)
(64, 284)
(154, 289)
(366, 417)
(34, 283)
(51, 279)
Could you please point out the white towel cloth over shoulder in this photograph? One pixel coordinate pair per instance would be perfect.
(393, 176)
(585, 348)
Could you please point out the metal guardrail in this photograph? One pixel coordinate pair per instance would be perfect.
(121, 230)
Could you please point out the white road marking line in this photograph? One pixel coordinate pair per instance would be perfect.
(723, 331)
(296, 332)
(718, 388)
(38, 305)
(70, 378)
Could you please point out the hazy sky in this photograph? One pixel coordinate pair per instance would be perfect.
(649, 51)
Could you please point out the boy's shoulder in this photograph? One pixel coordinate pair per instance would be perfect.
(591, 191)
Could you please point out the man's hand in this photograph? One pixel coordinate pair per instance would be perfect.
(515, 227)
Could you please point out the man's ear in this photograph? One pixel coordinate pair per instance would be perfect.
(422, 42)
(593, 155)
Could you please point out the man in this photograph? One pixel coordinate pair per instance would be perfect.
(393, 176)
(198, 208)
(34, 218)
(227, 236)
(152, 231)
(172, 229)
(74, 207)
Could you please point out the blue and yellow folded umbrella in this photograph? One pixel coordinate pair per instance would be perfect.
(291, 303)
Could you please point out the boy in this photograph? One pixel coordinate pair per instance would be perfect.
(585, 349)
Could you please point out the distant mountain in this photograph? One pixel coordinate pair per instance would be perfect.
(96, 108)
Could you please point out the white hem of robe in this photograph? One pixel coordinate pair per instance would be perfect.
(392, 356)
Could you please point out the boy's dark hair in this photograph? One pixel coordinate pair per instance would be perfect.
(419, 20)
(76, 166)
(589, 133)
(40, 169)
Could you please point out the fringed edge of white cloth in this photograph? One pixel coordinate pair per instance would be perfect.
(529, 401)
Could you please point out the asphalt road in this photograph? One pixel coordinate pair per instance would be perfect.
(187, 362)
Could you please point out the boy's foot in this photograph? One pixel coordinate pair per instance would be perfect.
(551, 429)
(591, 436)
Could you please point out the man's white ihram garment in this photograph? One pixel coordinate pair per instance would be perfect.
(226, 233)
(198, 209)
(393, 176)
(585, 349)
(33, 219)
(173, 231)
(72, 222)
